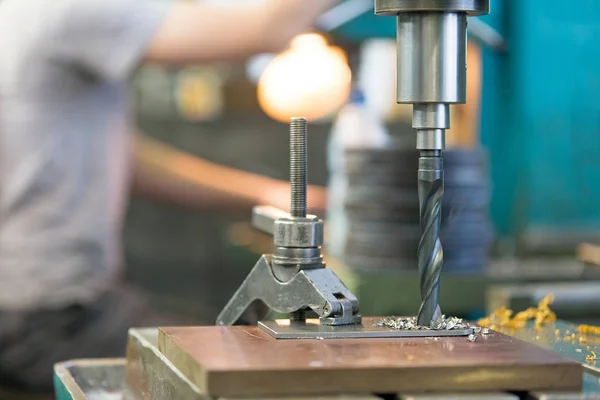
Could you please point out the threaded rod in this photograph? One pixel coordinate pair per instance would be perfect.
(298, 165)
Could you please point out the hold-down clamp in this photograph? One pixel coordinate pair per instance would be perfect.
(294, 279)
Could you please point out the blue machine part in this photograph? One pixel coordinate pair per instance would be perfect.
(540, 113)
(541, 117)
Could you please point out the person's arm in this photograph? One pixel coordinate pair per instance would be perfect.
(175, 177)
(197, 32)
(110, 38)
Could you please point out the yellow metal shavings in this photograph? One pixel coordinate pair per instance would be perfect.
(591, 357)
(589, 330)
(501, 318)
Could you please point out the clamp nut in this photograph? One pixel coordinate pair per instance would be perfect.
(298, 232)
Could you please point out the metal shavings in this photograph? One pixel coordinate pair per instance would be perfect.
(591, 357)
(578, 350)
(410, 324)
(589, 329)
(503, 317)
(472, 337)
(486, 331)
(476, 329)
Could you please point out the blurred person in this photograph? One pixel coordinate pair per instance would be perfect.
(69, 153)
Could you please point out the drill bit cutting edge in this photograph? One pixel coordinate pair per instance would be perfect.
(432, 59)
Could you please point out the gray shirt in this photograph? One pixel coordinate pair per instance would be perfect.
(65, 143)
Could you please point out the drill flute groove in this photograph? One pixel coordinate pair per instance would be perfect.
(430, 252)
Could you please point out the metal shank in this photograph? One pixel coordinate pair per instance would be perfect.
(432, 60)
(394, 7)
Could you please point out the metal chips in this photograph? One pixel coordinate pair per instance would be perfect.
(410, 324)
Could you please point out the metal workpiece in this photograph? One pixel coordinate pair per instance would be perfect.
(394, 7)
(430, 254)
(148, 374)
(313, 329)
(460, 396)
(294, 278)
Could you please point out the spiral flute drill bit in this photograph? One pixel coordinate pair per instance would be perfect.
(431, 75)
(430, 252)
(430, 121)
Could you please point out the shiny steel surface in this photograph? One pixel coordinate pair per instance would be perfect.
(431, 139)
(460, 396)
(311, 329)
(431, 115)
(317, 289)
(430, 254)
(431, 58)
(264, 217)
(394, 7)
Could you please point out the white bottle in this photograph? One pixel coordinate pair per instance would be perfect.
(354, 127)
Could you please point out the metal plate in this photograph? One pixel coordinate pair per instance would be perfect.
(459, 396)
(311, 329)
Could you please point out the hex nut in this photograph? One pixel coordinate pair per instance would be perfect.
(298, 232)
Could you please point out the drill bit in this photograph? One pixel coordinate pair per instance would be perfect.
(430, 253)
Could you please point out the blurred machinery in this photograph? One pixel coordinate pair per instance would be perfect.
(383, 211)
(539, 117)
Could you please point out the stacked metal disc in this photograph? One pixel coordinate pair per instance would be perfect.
(382, 208)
